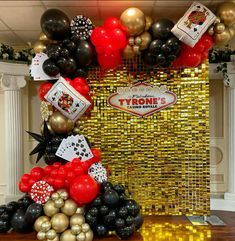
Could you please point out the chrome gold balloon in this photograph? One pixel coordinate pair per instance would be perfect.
(146, 40)
(50, 209)
(77, 219)
(226, 12)
(39, 221)
(69, 207)
(39, 47)
(59, 222)
(67, 236)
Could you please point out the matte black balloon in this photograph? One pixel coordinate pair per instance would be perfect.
(160, 59)
(55, 24)
(123, 212)
(119, 188)
(165, 49)
(162, 29)
(4, 226)
(173, 43)
(111, 198)
(84, 53)
(126, 232)
(69, 66)
(106, 186)
(50, 68)
(155, 46)
(18, 222)
(132, 207)
(2, 209)
(120, 223)
(34, 211)
(94, 211)
(64, 53)
(70, 45)
(6, 216)
(97, 202)
(53, 51)
(104, 210)
(138, 221)
(101, 230)
(148, 58)
(81, 73)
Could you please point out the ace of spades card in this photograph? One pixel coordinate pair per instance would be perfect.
(67, 100)
(193, 24)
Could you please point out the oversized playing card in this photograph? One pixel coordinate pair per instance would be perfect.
(193, 24)
(67, 100)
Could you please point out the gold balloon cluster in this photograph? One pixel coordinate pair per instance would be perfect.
(41, 44)
(137, 25)
(64, 220)
(223, 28)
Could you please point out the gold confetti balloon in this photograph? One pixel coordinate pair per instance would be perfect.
(67, 236)
(59, 222)
(77, 219)
(39, 221)
(50, 209)
(69, 207)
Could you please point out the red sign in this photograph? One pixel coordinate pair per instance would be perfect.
(142, 99)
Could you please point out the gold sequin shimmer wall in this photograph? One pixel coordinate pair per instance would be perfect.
(163, 158)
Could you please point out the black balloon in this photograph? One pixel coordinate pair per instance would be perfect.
(155, 46)
(111, 198)
(101, 230)
(165, 49)
(69, 66)
(97, 202)
(75, 37)
(160, 59)
(2, 209)
(53, 51)
(120, 223)
(61, 62)
(173, 43)
(122, 212)
(81, 73)
(91, 220)
(162, 29)
(64, 53)
(18, 222)
(119, 188)
(94, 211)
(126, 232)
(123, 197)
(70, 45)
(129, 220)
(50, 68)
(34, 211)
(106, 186)
(84, 53)
(132, 207)
(104, 210)
(138, 221)
(171, 58)
(6, 216)
(55, 24)
(4, 226)
(148, 58)
(109, 219)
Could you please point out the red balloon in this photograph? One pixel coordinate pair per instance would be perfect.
(96, 152)
(78, 171)
(97, 36)
(82, 89)
(37, 173)
(199, 47)
(69, 81)
(43, 89)
(54, 173)
(70, 176)
(207, 41)
(111, 23)
(117, 38)
(48, 169)
(83, 189)
(58, 183)
(192, 59)
(31, 182)
(80, 81)
(61, 172)
(109, 61)
(204, 56)
(25, 177)
(24, 187)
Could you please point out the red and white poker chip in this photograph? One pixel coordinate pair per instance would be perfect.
(41, 191)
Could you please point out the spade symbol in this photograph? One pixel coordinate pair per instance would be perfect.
(195, 30)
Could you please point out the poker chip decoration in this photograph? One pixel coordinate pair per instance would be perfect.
(41, 192)
(81, 25)
(98, 172)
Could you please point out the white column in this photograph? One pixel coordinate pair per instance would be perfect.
(11, 85)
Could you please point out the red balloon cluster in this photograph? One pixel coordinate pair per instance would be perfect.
(58, 175)
(109, 40)
(192, 57)
(43, 89)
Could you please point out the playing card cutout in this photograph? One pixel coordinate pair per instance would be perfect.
(98, 172)
(74, 147)
(193, 24)
(36, 69)
(67, 100)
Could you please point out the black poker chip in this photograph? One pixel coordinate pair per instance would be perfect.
(82, 26)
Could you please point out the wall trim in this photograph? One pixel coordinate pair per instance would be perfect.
(222, 204)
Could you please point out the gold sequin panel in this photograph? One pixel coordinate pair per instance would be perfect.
(163, 159)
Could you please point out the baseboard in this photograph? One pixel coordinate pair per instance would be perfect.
(223, 204)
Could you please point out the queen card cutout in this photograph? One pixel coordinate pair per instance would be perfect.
(67, 100)
(193, 24)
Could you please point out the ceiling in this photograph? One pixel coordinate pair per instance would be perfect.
(20, 20)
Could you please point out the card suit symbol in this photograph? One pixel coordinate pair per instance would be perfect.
(84, 149)
(77, 153)
(198, 6)
(195, 30)
(53, 98)
(86, 154)
(79, 141)
(75, 148)
(82, 145)
(73, 144)
(77, 105)
(82, 154)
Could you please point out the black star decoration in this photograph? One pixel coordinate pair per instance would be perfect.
(43, 141)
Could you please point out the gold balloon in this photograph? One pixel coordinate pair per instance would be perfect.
(77, 219)
(50, 209)
(138, 40)
(59, 203)
(128, 52)
(41, 235)
(51, 234)
(39, 221)
(67, 236)
(136, 49)
(89, 235)
(222, 38)
(76, 229)
(211, 30)
(46, 226)
(80, 210)
(69, 207)
(59, 222)
(131, 41)
(39, 47)
(231, 31)
(57, 238)
(146, 40)
(76, 130)
(217, 20)
(219, 28)
(149, 22)
(134, 20)
(226, 12)
(60, 124)
(42, 37)
(85, 227)
(64, 195)
(49, 128)
(81, 237)
(55, 196)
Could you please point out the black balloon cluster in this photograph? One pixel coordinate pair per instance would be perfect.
(113, 211)
(71, 54)
(19, 215)
(164, 48)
